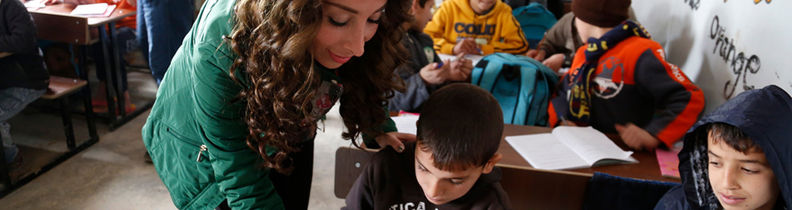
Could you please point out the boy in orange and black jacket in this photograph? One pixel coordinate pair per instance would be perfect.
(621, 83)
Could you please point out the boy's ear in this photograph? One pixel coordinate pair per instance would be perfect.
(414, 7)
(491, 163)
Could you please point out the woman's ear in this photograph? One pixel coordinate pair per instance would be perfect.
(491, 163)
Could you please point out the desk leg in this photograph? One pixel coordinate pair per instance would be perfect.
(67, 123)
(116, 66)
(103, 38)
(86, 95)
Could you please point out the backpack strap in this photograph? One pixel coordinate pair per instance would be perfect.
(485, 73)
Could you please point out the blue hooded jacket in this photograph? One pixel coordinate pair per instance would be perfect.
(765, 116)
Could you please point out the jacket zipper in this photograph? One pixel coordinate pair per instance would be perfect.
(203, 148)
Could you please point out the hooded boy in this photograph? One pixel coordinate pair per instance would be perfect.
(750, 173)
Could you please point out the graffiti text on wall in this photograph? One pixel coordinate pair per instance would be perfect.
(694, 4)
(755, 1)
(740, 63)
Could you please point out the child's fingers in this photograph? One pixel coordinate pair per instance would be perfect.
(619, 128)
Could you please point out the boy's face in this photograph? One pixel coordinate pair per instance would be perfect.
(482, 6)
(741, 181)
(441, 187)
(422, 14)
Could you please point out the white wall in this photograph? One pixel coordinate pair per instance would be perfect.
(706, 38)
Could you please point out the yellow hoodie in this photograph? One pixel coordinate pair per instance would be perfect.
(455, 19)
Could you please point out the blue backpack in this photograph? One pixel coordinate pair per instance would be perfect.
(534, 20)
(521, 85)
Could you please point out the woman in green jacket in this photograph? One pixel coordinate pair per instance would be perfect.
(236, 114)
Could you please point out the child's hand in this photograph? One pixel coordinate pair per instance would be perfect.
(537, 55)
(554, 62)
(636, 137)
(433, 75)
(466, 46)
(460, 69)
(395, 140)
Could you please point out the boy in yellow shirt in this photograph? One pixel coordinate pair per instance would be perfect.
(477, 27)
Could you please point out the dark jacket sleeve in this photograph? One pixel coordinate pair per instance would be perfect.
(17, 31)
(555, 39)
(361, 195)
(415, 93)
(679, 100)
(673, 199)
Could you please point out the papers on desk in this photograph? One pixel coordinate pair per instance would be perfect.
(569, 147)
(34, 4)
(406, 123)
(474, 58)
(668, 162)
(100, 9)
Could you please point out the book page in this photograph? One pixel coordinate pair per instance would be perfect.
(591, 144)
(544, 151)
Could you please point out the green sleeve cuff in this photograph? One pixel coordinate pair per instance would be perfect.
(387, 126)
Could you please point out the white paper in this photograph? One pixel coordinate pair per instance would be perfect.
(473, 58)
(90, 9)
(406, 123)
(34, 4)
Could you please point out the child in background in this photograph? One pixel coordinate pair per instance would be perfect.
(23, 77)
(476, 27)
(451, 165)
(621, 82)
(424, 72)
(558, 45)
(738, 156)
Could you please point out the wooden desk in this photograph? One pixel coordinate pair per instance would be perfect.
(528, 188)
(55, 23)
(531, 188)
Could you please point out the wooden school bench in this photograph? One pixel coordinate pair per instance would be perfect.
(60, 88)
(528, 188)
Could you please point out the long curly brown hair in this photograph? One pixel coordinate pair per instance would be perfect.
(272, 38)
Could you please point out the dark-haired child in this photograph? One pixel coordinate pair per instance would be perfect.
(451, 165)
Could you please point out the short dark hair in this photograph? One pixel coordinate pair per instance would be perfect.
(461, 125)
(732, 136)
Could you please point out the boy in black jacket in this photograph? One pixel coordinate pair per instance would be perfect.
(452, 164)
(424, 72)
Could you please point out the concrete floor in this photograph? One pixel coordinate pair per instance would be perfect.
(112, 174)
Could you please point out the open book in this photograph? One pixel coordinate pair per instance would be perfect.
(569, 147)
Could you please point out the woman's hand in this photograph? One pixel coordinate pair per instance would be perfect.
(395, 140)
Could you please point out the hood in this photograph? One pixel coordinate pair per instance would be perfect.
(464, 7)
(765, 116)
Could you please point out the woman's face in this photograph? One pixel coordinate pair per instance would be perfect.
(345, 28)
